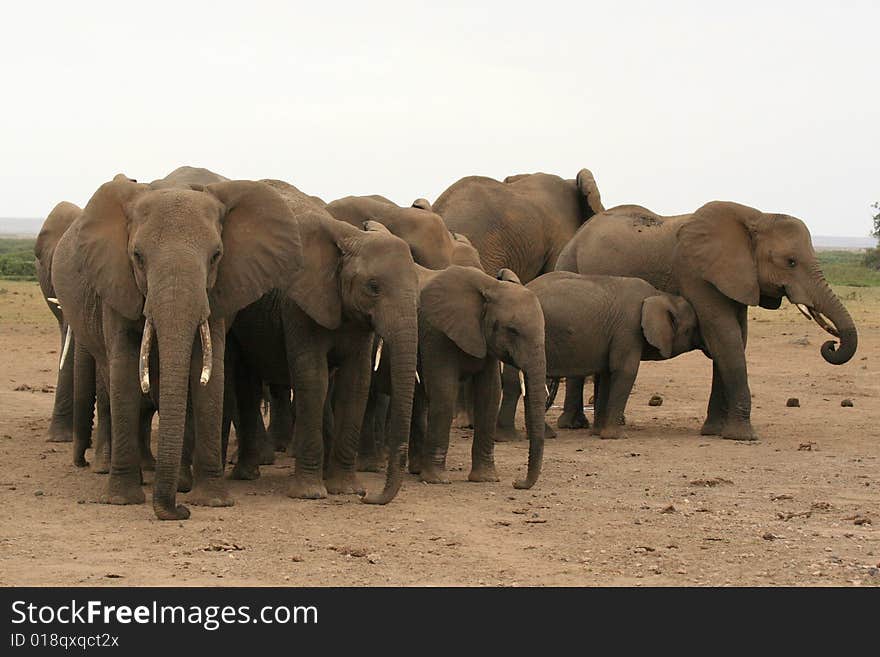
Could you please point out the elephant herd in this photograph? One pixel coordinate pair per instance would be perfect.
(365, 326)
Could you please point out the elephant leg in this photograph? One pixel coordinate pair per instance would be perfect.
(209, 487)
(418, 429)
(464, 406)
(280, 417)
(247, 401)
(506, 430)
(369, 457)
(601, 385)
(145, 435)
(716, 411)
(83, 404)
(724, 339)
(351, 389)
(61, 425)
(487, 395)
(104, 432)
(441, 389)
(573, 409)
(125, 482)
(310, 382)
(619, 387)
(185, 476)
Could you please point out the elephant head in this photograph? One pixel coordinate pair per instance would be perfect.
(755, 258)
(424, 231)
(464, 253)
(669, 324)
(58, 221)
(178, 259)
(497, 317)
(367, 277)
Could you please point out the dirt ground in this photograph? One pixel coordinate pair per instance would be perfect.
(665, 506)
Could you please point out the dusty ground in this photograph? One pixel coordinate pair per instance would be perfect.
(665, 506)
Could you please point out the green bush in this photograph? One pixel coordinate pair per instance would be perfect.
(848, 268)
(17, 258)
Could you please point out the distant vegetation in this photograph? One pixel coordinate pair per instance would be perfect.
(841, 267)
(872, 256)
(17, 259)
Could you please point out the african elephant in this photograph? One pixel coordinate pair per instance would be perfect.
(57, 222)
(353, 283)
(606, 325)
(172, 265)
(520, 224)
(469, 322)
(723, 258)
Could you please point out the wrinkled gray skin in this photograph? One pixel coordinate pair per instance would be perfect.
(469, 323)
(606, 325)
(76, 393)
(150, 277)
(354, 282)
(521, 224)
(723, 258)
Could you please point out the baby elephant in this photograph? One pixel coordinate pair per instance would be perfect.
(606, 325)
(468, 322)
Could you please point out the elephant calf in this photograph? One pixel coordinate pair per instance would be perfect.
(606, 325)
(468, 322)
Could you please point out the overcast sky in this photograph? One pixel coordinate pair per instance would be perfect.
(671, 104)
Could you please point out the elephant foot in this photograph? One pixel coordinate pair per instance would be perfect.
(185, 479)
(368, 463)
(124, 489)
(464, 420)
(739, 431)
(166, 511)
(306, 487)
(343, 482)
(79, 460)
(210, 491)
(572, 420)
(549, 432)
(433, 475)
(712, 427)
(101, 464)
(245, 471)
(59, 434)
(267, 455)
(483, 473)
(508, 434)
(613, 432)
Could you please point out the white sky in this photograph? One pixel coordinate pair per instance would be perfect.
(671, 104)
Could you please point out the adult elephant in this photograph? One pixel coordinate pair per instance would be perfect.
(56, 224)
(521, 224)
(354, 282)
(176, 264)
(723, 258)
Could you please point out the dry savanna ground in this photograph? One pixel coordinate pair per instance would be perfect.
(665, 506)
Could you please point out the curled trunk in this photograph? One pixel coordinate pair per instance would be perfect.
(400, 346)
(828, 304)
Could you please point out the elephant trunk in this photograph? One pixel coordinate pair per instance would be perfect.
(535, 406)
(401, 346)
(828, 304)
(174, 313)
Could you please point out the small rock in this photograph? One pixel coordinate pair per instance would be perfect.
(38, 493)
(768, 536)
(793, 402)
(655, 400)
(846, 402)
(668, 509)
(804, 341)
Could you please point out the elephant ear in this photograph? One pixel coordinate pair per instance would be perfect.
(454, 303)
(316, 287)
(261, 244)
(589, 190)
(658, 323)
(718, 243)
(508, 275)
(103, 245)
(54, 227)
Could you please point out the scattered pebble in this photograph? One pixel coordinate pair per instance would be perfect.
(793, 402)
(655, 400)
(846, 402)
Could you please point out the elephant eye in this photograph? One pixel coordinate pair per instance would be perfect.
(138, 258)
(373, 286)
(512, 330)
(216, 256)
(792, 262)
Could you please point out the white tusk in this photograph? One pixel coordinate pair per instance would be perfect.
(207, 353)
(54, 301)
(65, 348)
(418, 379)
(378, 355)
(546, 390)
(522, 383)
(144, 363)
